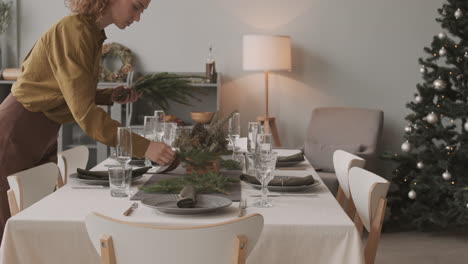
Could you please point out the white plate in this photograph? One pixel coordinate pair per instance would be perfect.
(96, 182)
(167, 203)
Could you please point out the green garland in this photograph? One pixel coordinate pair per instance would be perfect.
(125, 56)
(203, 183)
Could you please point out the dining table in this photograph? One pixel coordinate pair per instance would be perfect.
(308, 226)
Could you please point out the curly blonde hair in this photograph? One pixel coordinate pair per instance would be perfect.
(87, 7)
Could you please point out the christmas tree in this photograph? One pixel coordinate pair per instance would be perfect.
(430, 189)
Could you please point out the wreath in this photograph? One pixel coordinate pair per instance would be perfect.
(125, 56)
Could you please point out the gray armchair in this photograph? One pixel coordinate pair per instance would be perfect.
(355, 130)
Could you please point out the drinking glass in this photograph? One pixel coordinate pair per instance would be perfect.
(234, 131)
(149, 126)
(252, 131)
(265, 165)
(159, 124)
(124, 145)
(170, 130)
(119, 180)
(264, 144)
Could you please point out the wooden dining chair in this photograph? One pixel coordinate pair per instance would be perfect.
(343, 161)
(30, 186)
(122, 242)
(369, 192)
(72, 159)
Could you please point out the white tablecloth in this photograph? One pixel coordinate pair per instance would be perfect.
(304, 229)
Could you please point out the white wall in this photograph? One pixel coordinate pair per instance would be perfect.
(345, 52)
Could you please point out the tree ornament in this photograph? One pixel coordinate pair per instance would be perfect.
(440, 84)
(408, 128)
(444, 12)
(406, 146)
(420, 165)
(423, 69)
(446, 175)
(459, 77)
(441, 35)
(465, 126)
(418, 99)
(442, 52)
(458, 14)
(432, 118)
(466, 54)
(412, 194)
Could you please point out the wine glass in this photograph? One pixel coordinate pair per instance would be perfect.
(149, 127)
(170, 131)
(159, 124)
(264, 144)
(234, 131)
(264, 172)
(124, 145)
(252, 131)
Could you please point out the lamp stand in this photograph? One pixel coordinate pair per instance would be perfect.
(268, 121)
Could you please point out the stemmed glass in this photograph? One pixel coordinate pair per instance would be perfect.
(170, 131)
(159, 124)
(124, 145)
(265, 165)
(252, 131)
(234, 131)
(264, 144)
(149, 133)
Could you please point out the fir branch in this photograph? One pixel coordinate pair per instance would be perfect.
(203, 183)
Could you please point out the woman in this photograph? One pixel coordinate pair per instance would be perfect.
(58, 85)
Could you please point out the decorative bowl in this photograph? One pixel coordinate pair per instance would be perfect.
(202, 117)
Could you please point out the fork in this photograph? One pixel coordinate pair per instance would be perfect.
(129, 211)
(242, 207)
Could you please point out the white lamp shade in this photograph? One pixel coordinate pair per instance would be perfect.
(266, 53)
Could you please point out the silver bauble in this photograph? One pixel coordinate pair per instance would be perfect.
(420, 165)
(418, 99)
(423, 69)
(442, 51)
(441, 35)
(446, 175)
(408, 128)
(466, 54)
(412, 194)
(465, 126)
(458, 14)
(440, 84)
(406, 146)
(432, 118)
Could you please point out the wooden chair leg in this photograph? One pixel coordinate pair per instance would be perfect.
(59, 183)
(240, 250)
(340, 196)
(14, 208)
(107, 250)
(374, 235)
(351, 208)
(358, 224)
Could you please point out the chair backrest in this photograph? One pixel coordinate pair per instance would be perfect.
(369, 192)
(141, 243)
(73, 159)
(355, 130)
(343, 161)
(30, 186)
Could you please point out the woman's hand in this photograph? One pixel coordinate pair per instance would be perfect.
(160, 153)
(123, 95)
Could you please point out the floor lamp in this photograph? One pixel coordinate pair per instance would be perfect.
(267, 53)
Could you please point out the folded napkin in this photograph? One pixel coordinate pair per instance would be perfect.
(140, 162)
(295, 157)
(187, 197)
(287, 180)
(103, 175)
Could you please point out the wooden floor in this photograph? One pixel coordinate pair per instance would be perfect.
(424, 248)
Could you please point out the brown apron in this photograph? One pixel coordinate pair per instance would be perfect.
(27, 139)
